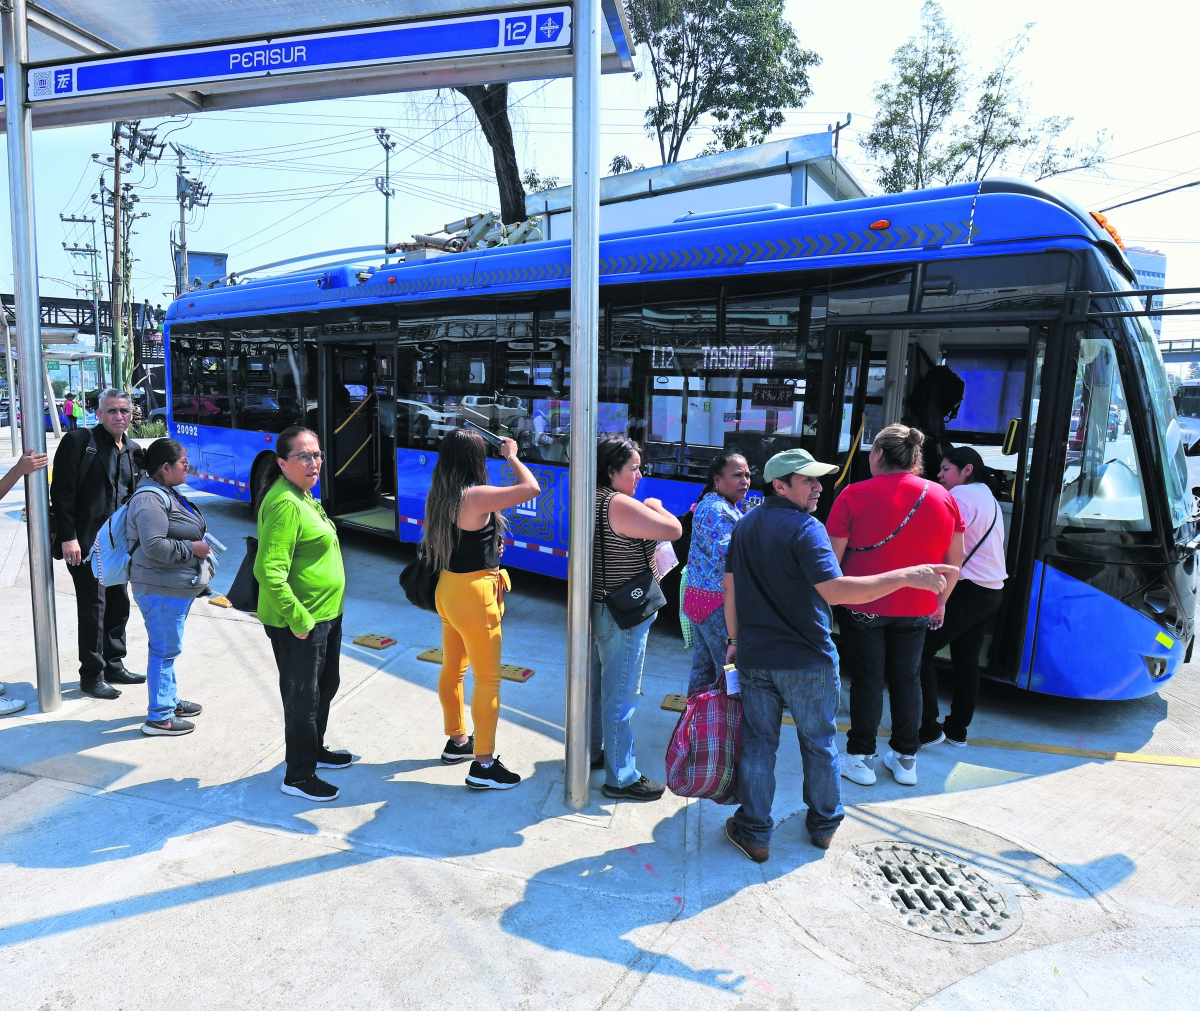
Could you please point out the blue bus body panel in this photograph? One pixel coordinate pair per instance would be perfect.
(953, 222)
(1068, 651)
(539, 531)
(1031, 614)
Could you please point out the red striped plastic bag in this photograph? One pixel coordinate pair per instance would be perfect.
(704, 750)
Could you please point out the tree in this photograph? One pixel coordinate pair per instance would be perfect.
(736, 61)
(490, 102)
(537, 183)
(916, 140)
(59, 386)
(916, 106)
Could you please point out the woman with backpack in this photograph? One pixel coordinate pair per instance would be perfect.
(464, 534)
(891, 521)
(169, 568)
(961, 621)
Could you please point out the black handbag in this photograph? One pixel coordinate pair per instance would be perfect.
(243, 594)
(639, 598)
(420, 581)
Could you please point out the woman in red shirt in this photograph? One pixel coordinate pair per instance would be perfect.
(895, 519)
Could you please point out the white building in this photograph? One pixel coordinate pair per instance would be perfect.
(1151, 268)
(792, 173)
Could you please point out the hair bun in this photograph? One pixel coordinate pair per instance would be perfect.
(915, 437)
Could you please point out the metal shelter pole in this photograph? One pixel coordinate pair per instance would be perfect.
(585, 331)
(25, 275)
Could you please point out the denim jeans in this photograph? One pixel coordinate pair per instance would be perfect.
(309, 676)
(968, 611)
(882, 649)
(812, 695)
(165, 617)
(708, 658)
(617, 658)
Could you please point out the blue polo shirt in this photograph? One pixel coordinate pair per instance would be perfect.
(778, 553)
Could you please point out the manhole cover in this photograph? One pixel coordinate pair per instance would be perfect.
(932, 893)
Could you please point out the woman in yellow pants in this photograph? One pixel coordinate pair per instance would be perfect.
(464, 532)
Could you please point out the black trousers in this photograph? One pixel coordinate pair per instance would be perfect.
(879, 650)
(309, 676)
(968, 611)
(103, 615)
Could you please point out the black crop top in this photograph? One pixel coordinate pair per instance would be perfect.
(475, 550)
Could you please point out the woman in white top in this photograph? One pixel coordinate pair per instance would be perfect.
(962, 621)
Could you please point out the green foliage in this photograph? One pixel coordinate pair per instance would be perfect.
(148, 429)
(59, 386)
(736, 61)
(535, 183)
(916, 140)
(622, 163)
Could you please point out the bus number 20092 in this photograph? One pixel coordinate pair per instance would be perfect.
(187, 430)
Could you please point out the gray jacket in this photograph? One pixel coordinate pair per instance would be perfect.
(162, 562)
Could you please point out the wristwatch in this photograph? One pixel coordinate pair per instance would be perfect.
(730, 642)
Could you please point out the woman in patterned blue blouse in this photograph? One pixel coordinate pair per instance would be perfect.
(704, 594)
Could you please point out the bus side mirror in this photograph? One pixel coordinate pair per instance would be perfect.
(1011, 437)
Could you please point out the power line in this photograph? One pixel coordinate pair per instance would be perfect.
(1151, 196)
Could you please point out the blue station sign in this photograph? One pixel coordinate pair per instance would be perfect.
(407, 42)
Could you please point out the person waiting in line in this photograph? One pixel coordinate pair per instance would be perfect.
(893, 520)
(301, 593)
(464, 536)
(704, 594)
(68, 411)
(169, 568)
(961, 621)
(27, 463)
(95, 473)
(781, 576)
(627, 533)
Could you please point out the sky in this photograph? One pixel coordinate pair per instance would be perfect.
(299, 178)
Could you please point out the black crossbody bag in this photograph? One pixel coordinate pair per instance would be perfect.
(633, 601)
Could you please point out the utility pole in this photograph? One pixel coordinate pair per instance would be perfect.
(383, 183)
(190, 193)
(837, 136)
(94, 277)
(118, 266)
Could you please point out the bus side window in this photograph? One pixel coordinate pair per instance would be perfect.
(267, 381)
(199, 381)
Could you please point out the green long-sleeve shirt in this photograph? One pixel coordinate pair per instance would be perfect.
(299, 566)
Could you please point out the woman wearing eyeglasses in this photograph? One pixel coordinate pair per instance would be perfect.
(301, 589)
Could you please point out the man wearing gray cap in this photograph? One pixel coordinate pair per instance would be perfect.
(780, 579)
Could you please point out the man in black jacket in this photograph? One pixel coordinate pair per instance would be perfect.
(95, 472)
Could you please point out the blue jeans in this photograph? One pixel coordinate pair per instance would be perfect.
(164, 625)
(877, 650)
(708, 658)
(812, 695)
(617, 658)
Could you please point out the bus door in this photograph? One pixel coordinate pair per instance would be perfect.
(359, 479)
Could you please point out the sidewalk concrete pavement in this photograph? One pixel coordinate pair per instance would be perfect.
(142, 871)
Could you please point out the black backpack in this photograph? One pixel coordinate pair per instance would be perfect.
(934, 401)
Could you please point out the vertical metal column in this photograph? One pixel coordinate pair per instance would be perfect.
(10, 386)
(25, 275)
(585, 336)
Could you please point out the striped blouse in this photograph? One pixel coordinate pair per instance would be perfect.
(622, 557)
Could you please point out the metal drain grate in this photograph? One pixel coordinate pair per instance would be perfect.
(932, 893)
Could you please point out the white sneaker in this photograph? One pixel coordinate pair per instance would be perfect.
(904, 768)
(10, 706)
(857, 769)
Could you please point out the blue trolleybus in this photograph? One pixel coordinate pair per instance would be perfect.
(762, 330)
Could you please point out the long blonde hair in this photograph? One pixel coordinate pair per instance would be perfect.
(462, 463)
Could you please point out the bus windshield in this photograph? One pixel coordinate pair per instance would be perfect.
(1166, 424)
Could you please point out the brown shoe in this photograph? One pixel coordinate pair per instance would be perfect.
(759, 854)
(824, 842)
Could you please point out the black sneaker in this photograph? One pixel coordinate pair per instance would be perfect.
(956, 738)
(932, 735)
(188, 708)
(494, 777)
(643, 789)
(310, 789)
(453, 753)
(167, 728)
(334, 759)
(124, 677)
